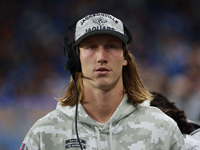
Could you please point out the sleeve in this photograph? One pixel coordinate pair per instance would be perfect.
(177, 140)
(23, 147)
(31, 140)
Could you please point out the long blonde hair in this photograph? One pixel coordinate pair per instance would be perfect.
(136, 91)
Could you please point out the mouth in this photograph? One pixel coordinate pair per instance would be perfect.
(102, 70)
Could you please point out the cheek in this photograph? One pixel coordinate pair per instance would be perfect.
(120, 59)
(86, 63)
(83, 58)
(86, 55)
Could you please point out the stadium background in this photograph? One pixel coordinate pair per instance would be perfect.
(166, 47)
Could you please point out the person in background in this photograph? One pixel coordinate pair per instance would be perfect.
(191, 131)
(110, 91)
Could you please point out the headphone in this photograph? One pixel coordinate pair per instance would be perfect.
(73, 63)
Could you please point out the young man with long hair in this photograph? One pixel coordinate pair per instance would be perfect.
(109, 93)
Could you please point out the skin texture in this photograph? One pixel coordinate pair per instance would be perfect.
(102, 61)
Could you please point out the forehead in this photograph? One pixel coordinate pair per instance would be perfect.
(101, 38)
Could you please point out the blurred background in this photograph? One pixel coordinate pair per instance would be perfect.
(166, 48)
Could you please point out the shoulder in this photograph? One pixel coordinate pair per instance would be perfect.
(155, 115)
(42, 122)
(153, 122)
(50, 121)
(154, 112)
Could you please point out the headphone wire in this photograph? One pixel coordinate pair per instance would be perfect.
(76, 112)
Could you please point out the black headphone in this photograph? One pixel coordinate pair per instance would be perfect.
(72, 60)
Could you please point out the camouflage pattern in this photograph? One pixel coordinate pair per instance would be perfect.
(129, 128)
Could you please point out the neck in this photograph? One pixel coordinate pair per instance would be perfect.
(100, 105)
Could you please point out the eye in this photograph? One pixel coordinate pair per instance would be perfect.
(111, 46)
(90, 47)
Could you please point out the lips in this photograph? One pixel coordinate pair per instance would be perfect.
(102, 70)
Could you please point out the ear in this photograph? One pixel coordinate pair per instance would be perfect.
(125, 63)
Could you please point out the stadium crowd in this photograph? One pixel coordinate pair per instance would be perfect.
(166, 46)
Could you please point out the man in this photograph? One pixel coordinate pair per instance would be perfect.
(110, 92)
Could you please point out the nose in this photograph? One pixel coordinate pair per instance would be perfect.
(102, 55)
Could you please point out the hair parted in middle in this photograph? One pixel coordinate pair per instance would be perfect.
(133, 86)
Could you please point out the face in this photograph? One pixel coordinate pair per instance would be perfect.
(102, 60)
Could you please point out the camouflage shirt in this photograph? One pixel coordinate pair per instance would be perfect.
(129, 128)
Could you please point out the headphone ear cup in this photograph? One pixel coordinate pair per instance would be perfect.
(72, 60)
(76, 57)
(70, 65)
(128, 34)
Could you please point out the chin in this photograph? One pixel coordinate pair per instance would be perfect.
(105, 86)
